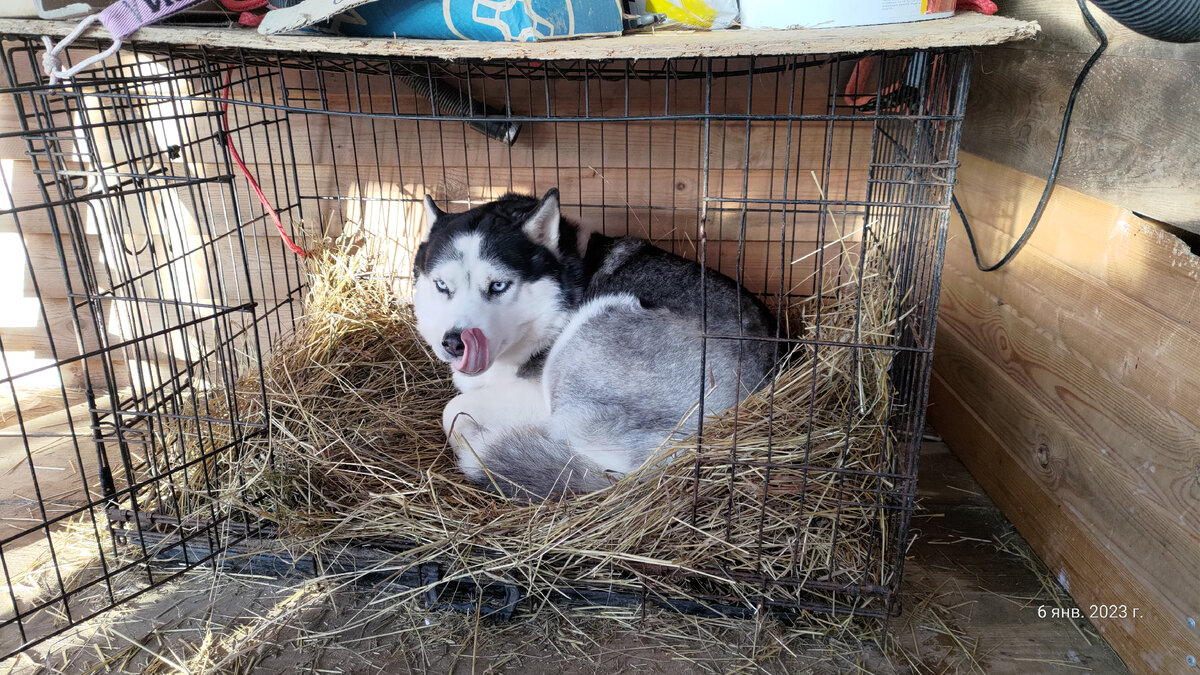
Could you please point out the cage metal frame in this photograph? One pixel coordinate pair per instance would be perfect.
(913, 131)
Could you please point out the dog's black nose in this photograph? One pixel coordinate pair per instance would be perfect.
(453, 343)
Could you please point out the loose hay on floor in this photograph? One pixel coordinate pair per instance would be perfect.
(355, 453)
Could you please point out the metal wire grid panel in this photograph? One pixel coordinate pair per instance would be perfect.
(156, 278)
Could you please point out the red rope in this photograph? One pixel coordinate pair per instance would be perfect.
(244, 10)
(250, 177)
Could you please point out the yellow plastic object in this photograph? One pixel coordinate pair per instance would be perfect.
(691, 12)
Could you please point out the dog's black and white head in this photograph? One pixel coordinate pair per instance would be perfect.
(495, 283)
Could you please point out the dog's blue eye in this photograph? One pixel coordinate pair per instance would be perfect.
(441, 285)
(499, 286)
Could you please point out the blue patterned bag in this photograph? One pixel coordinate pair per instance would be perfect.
(486, 20)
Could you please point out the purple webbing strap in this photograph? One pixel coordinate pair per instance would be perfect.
(127, 16)
(121, 19)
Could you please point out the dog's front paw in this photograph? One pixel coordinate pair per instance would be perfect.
(465, 435)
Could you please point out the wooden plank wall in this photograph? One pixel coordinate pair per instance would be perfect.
(1069, 383)
(641, 178)
(1136, 124)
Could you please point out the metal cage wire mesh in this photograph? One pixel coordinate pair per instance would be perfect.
(155, 276)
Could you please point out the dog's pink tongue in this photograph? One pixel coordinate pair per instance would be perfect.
(475, 352)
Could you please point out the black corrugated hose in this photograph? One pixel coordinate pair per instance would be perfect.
(1169, 20)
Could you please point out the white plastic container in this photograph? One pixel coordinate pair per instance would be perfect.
(833, 13)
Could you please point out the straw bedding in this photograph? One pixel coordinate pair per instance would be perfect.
(355, 453)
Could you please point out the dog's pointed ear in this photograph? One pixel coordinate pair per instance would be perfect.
(542, 226)
(432, 213)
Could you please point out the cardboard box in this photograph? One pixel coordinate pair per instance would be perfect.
(834, 13)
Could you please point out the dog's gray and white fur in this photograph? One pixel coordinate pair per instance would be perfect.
(575, 361)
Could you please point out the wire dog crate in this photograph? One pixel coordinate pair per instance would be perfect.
(155, 281)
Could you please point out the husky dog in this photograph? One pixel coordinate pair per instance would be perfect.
(575, 361)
